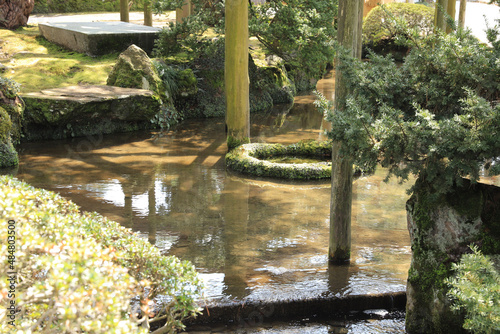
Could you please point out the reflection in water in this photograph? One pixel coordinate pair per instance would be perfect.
(250, 238)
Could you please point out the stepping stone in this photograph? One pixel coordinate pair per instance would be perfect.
(99, 38)
(87, 110)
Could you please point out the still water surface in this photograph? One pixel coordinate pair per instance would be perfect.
(250, 238)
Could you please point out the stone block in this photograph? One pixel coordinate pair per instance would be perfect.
(99, 38)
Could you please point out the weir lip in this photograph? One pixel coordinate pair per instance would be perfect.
(329, 307)
(252, 159)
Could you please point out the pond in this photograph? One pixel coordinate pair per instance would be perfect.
(249, 238)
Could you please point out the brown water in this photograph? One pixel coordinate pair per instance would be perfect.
(249, 238)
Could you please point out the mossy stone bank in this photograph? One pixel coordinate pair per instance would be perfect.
(87, 110)
(441, 229)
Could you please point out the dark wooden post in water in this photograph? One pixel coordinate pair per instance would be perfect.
(349, 34)
(236, 73)
(124, 12)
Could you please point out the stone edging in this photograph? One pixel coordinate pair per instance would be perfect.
(329, 307)
(248, 159)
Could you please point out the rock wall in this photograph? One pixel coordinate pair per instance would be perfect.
(441, 229)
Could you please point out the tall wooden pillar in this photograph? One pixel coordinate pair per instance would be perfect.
(348, 34)
(236, 73)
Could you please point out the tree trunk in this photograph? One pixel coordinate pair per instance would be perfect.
(439, 16)
(461, 13)
(124, 11)
(148, 14)
(452, 4)
(15, 13)
(349, 35)
(236, 73)
(185, 11)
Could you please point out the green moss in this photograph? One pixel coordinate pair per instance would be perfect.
(5, 125)
(233, 143)
(249, 159)
(8, 155)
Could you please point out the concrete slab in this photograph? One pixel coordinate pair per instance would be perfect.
(99, 38)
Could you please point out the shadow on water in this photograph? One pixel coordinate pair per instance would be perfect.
(251, 239)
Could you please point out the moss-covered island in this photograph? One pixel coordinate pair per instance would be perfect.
(255, 159)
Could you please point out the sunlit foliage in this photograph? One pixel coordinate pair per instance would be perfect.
(78, 272)
(436, 115)
(475, 288)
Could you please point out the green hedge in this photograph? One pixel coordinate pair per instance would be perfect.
(76, 272)
(249, 159)
(79, 6)
(379, 26)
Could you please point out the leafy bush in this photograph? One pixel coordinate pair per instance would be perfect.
(299, 32)
(436, 116)
(476, 290)
(379, 28)
(77, 271)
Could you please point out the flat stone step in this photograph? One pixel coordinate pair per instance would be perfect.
(87, 110)
(99, 38)
(88, 93)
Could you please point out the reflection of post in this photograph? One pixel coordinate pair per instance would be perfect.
(236, 214)
(152, 214)
(129, 214)
(338, 278)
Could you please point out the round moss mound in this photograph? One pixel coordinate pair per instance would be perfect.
(253, 159)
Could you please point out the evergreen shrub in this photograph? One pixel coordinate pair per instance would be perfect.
(77, 272)
(475, 288)
(380, 29)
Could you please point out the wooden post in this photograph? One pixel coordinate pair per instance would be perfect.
(236, 73)
(439, 14)
(124, 11)
(148, 14)
(451, 10)
(183, 12)
(348, 35)
(461, 13)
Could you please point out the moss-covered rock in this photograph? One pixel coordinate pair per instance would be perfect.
(441, 230)
(8, 155)
(134, 69)
(252, 159)
(11, 113)
(88, 110)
